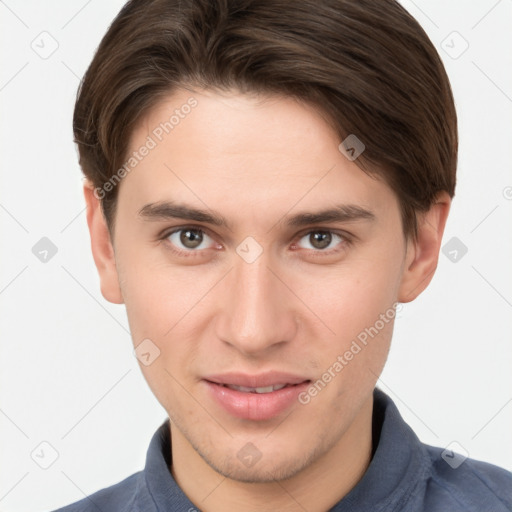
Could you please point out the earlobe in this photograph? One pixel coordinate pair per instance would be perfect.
(101, 246)
(423, 253)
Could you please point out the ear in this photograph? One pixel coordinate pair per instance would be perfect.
(102, 248)
(422, 254)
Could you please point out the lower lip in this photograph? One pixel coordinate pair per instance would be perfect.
(255, 406)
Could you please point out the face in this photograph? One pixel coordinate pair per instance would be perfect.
(252, 254)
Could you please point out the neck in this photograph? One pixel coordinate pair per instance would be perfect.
(317, 487)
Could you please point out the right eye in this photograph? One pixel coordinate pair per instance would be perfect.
(189, 239)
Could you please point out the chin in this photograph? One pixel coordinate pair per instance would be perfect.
(273, 465)
(259, 473)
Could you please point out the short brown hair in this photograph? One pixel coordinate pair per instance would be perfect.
(366, 65)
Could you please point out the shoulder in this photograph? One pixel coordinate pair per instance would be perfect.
(120, 497)
(466, 484)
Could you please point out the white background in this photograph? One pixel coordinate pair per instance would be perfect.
(68, 375)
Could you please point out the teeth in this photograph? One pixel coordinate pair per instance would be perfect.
(266, 389)
(278, 387)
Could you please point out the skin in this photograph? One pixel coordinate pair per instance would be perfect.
(257, 161)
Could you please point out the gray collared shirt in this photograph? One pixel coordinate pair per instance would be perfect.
(404, 475)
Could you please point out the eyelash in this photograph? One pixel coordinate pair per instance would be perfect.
(345, 241)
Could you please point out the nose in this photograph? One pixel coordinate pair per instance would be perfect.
(257, 312)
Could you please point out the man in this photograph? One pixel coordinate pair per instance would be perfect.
(266, 182)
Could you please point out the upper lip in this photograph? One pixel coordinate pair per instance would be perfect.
(261, 380)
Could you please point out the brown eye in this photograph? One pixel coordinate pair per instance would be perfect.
(190, 239)
(320, 240)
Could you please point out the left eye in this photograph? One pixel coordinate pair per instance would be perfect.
(189, 239)
(320, 240)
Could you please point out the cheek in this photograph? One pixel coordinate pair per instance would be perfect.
(353, 296)
(157, 296)
(157, 309)
(164, 306)
(357, 303)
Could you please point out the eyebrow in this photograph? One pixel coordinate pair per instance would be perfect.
(166, 210)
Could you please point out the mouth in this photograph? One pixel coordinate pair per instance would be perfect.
(258, 397)
(261, 390)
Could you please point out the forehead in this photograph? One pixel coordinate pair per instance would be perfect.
(229, 150)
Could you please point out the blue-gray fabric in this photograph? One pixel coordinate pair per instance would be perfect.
(404, 475)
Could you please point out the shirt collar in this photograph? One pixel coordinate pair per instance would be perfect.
(398, 465)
